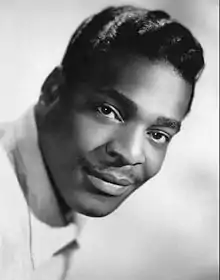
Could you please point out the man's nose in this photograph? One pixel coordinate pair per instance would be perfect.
(127, 148)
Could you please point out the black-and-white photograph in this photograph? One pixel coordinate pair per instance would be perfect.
(109, 140)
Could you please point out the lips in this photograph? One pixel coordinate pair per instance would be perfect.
(112, 183)
(106, 187)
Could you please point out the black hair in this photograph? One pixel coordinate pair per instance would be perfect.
(153, 34)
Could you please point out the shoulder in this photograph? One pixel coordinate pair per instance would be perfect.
(12, 200)
(3, 129)
(14, 229)
(8, 182)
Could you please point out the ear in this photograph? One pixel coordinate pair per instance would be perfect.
(51, 88)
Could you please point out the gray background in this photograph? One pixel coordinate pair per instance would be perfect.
(168, 230)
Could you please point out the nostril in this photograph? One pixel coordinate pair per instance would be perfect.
(124, 155)
(116, 154)
(111, 151)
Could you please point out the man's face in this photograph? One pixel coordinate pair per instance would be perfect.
(114, 135)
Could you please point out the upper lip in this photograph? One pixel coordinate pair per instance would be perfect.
(110, 177)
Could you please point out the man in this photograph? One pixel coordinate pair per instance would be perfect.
(100, 130)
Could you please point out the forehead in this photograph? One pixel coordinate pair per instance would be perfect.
(155, 87)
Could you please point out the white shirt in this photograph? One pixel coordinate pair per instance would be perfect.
(32, 229)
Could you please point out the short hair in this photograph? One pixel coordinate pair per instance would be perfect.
(150, 33)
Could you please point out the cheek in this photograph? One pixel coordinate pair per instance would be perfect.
(89, 133)
(154, 161)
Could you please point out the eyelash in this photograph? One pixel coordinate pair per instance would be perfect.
(167, 137)
(112, 109)
(119, 118)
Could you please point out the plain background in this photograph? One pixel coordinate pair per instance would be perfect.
(168, 230)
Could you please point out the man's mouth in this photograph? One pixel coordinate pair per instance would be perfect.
(107, 187)
(109, 183)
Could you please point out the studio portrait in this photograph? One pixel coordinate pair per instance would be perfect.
(109, 140)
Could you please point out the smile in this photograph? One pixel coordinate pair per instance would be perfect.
(109, 182)
(107, 187)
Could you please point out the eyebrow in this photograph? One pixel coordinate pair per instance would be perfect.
(169, 123)
(132, 108)
(119, 98)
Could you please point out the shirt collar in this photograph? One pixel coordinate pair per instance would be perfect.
(33, 176)
(48, 230)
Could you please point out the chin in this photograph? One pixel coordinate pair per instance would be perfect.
(95, 212)
(94, 204)
(95, 209)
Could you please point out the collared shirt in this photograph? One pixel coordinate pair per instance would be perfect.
(29, 198)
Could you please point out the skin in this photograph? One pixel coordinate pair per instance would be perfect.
(120, 122)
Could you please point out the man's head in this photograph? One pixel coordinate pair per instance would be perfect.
(125, 84)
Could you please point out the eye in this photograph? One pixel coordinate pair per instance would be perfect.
(109, 112)
(158, 137)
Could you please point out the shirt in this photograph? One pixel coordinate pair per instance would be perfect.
(33, 233)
